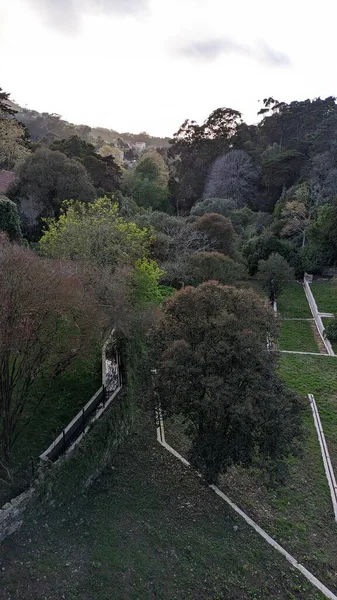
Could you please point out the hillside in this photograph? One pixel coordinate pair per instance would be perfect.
(147, 529)
(45, 126)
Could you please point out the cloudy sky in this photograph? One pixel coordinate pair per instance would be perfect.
(136, 65)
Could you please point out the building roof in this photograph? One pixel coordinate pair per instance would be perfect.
(6, 177)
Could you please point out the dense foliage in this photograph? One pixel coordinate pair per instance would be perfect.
(214, 370)
(224, 202)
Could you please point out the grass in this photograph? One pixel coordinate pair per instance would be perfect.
(148, 529)
(298, 515)
(63, 399)
(292, 302)
(297, 335)
(310, 374)
(325, 294)
(316, 375)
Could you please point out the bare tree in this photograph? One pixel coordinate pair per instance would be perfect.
(232, 176)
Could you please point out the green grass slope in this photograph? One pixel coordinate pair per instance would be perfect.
(148, 529)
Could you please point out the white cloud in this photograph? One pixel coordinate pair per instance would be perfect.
(113, 64)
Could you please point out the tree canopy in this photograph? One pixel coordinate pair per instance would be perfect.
(44, 180)
(214, 370)
(95, 233)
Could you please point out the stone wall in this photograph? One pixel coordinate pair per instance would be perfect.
(12, 513)
(61, 481)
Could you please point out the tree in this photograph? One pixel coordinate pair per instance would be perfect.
(44, 180)
(104, 173)
(9, 219)
(14, 144)
(219, 230)
(260, 247)
(193, 149)
(203, 266)
(115, 153)
(321, 248)
(152, 166)
(297, 209)
(6, 107)
(73, 147)
(280, 172)
(145, 283)
(147, 182)
(214, 370)
(222, 206)
(206, 266)
(296, 123)
(274, 272)
(48, 317)
(234, 176)
(95, 233)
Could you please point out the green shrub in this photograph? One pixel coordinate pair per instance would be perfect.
(9, 218)
(331, 330)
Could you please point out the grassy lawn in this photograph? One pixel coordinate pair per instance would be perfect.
(316, 375)
(325, 294)
(147, 529)
(63, 399)
(297, 335)
(292, 302)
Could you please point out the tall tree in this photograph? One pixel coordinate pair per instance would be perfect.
(274, 272)
(104, 172)
(234, 176)
(219, 231)
(214, 370)
(6, 108)
(194, 148)
(14, 142)
(44, 180)
(95, 233)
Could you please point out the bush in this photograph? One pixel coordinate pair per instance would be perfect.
(261, 247)
(9, 218)
(219, 231)
(331, 330)
(313, 259)
(273, 272)
(205, 266)
(222, 206)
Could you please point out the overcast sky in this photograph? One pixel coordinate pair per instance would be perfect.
(147, 65)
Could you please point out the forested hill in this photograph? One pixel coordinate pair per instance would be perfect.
(49, 127)
(291, 144)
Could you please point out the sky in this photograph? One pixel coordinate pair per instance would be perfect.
(147, 65)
